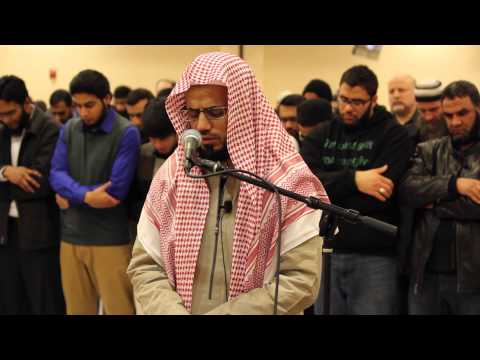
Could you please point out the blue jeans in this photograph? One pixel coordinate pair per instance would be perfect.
(439, 296)
(362, 285)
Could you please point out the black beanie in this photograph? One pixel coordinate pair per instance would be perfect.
(314, 111)
(319, 87)
(155, 120)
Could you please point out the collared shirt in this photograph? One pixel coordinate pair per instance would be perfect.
(122, 170)
(15, 144)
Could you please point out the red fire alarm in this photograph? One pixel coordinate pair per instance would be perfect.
(53, 74)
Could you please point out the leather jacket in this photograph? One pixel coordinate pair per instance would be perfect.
(429, 186)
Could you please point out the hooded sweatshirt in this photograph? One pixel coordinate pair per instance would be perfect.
(336, 151)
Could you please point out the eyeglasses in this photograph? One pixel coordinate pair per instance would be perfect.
(352, 102)
(212, 113)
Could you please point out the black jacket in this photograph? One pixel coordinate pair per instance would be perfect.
(334, 152)
(38, 212)
(142, 181)
(436, 165)
(419, 131)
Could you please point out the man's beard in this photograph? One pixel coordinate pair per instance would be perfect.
(207, 152)
(21, 125)
(469, 138)
(123, 114)
(400, 109)
(294, 133)
(434, 129)
(97, 125)
(164, 155)
(361, 122)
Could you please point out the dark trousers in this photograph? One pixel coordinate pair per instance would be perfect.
(362, 285)
(30, 281)
(439, 296)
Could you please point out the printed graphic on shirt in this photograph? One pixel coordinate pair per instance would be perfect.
(353, 158)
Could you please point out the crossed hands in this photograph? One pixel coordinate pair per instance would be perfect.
(373, 183)
(98, 198)
(23, 177)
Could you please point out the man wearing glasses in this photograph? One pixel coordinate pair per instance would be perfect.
(360, 156)
(287, 112)
(195, 254)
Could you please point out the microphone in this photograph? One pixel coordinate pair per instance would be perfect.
(192, 140)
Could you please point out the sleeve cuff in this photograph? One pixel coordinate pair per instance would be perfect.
(351, 180)
(452, 186)
(79, 198)
(2, 178)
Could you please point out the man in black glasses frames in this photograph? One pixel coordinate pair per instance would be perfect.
(287, 112)
(359, 157)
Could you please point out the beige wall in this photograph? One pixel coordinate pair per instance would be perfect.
(135, 66)
(291, 67)
(278, 67)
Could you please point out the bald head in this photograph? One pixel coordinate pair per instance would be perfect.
(404, 78)
(401, 94)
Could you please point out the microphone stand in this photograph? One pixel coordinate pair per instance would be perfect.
(328, 223)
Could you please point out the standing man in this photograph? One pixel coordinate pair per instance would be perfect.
(312, 114)
(92, 169)
(401, 95)
(287, 112)
(443, 184)
(179, 264)
(61, 106)
(120, 96)
(360, 157)
(162, 142)
(29, 239)
(432, 123)
(137, 100)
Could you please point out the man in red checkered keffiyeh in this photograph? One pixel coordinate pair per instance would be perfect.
(238, 125)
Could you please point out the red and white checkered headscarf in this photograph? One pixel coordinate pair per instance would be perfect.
(176, 207)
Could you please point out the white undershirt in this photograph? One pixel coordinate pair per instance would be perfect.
(16, 143)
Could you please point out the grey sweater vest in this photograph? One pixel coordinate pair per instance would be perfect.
(90, 158)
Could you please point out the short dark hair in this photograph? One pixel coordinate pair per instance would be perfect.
(139, 94)
(121, 92)
(361, 75)
(155, 120)
(90, 82)
(12, 88)
(164, 93)
(314, 111)
(461, 89)
(319, 87)
(60, 95)
(292, 100)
